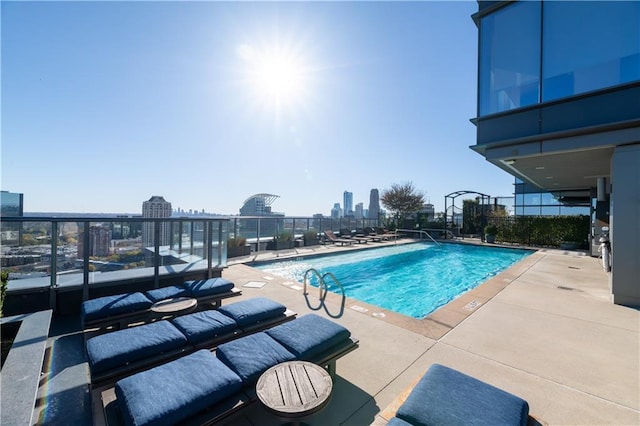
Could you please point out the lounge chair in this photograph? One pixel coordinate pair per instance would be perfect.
(120, 353)
(345, 233)
(122, 309)
(335, 240)
(206, 387)
(444, 396)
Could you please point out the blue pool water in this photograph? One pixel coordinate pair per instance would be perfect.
(411, 279)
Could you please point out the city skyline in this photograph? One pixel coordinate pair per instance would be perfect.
(117, 101)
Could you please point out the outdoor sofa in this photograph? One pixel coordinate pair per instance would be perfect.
(206, 387)
(445, 396)
(123, 352)
(121, 309)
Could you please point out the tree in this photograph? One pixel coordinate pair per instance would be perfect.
(402, 200)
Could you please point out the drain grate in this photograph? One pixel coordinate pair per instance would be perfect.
(561, 287)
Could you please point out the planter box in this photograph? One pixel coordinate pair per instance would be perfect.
(490, 238)
(280, 245)
(309, 243)
(238, 251)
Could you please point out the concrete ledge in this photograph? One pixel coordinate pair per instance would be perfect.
(22, 368)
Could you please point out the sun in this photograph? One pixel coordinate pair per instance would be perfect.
(277, 76)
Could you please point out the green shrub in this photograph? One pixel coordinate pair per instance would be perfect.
(283, 236)
(491, 230)
(237, 242)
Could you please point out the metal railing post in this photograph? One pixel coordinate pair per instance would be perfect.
(54, 266)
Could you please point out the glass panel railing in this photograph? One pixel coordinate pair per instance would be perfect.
(86, 251)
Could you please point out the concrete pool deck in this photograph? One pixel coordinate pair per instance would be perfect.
(545, 330)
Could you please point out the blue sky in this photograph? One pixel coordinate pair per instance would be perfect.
(105, 104)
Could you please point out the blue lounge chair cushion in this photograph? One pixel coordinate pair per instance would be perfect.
(118, 348)
(172, 392)
(201, 288)
(252, 311)
(448, 397)
(204, 325)
(169, 292)
(309, 335)
(104, 307)
(252, 355)
(398, 422)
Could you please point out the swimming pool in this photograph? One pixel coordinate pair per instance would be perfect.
(411, 279)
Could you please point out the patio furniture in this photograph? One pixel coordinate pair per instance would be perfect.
(123, 352)
(335, 240)
(360, 239)
(294, 389)
(206, 387)
(445, 396)
(122, 309)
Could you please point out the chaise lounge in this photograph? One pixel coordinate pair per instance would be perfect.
(444, 396)
(335, 240)
(206, 387)
(123, 352)
(122, 309)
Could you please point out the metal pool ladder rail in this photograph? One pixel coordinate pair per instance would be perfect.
(421, 232)
(323, 288)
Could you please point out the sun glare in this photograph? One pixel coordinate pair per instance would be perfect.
(277, 77)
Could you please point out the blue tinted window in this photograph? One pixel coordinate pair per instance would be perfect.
(588, 46)
(510, 58)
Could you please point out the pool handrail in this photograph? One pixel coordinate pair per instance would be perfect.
(420, 231)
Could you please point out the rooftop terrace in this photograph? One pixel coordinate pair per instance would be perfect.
(545, 330)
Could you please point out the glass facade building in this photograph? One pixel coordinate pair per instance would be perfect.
(559, 109)
(12, 204)
(534, 51)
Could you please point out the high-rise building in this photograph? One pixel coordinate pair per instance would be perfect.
(260, 205)
(359, 213)
(558, 91)
(155, 207)
(336, 211)
(374, 204)
(99, 241)
(347, 203)
(12, 204)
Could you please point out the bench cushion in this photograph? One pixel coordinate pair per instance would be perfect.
(104, 307)
(252, 355)
(205, 325)
(252, 311)
(398, 422)
(448, 397)
(201, 288)
(176, 390)
(309, 335)
(169, 292)
(118, 348)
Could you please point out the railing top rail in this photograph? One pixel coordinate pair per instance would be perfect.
(109, 219)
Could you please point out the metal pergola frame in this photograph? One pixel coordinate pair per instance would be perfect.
(485, 201)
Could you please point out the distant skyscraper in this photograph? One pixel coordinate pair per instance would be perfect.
(99, 241)
(359, 211)
(336, 211)
(374, 204)
(260, 205)
(156, 207)
(347, 203)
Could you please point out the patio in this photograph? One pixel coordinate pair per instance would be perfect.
(544, 330)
